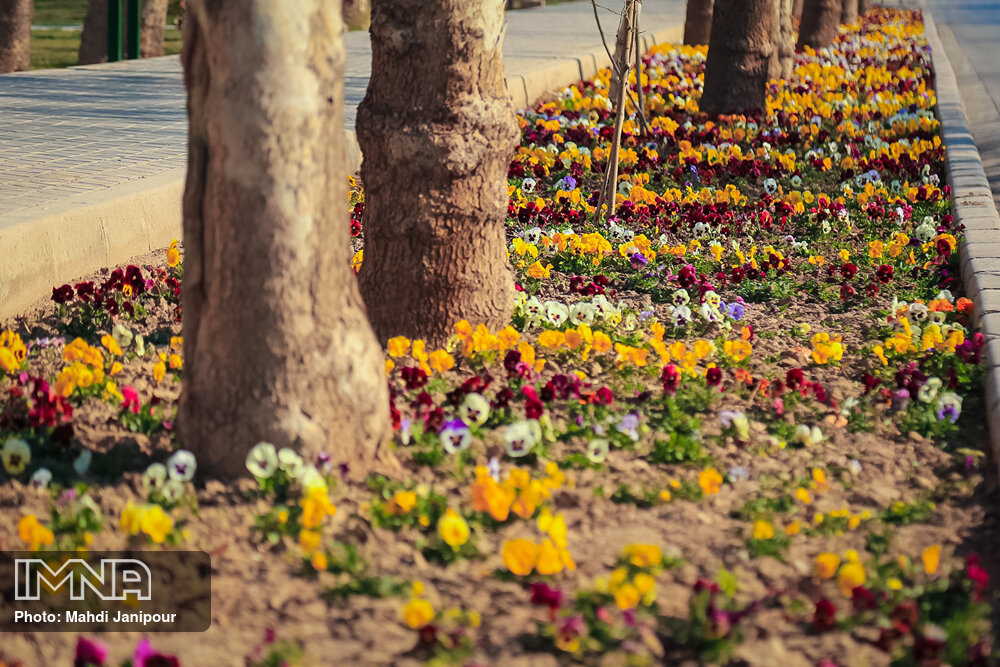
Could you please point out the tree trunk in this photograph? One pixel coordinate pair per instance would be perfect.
(617, 90)
(739, 53)
(276, 344)
(783, 57)
(357, 14)
(15, 35)
(863, 6)
(437, 129)
(820, 19)
(154, 22)
(94, 40)
(797, 10)
(849, 12)
(698, 22)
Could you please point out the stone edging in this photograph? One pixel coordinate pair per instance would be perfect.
(972, 206)
(65, 241)
(108, 227)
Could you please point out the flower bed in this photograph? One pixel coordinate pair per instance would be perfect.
(730, 422)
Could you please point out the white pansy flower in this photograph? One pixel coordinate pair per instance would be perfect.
(598, 450)
(680, 315)
(929, 390)
(475, 409)
(16, 455)
(181, 466)
(521, 437)
(556, 313)
(290, 461)
(807, 436)
(154, 477)
(262, 461)
(40, 479)
(582, 313)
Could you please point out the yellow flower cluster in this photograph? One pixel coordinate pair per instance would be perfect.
(941, 338)
(417, 612)
(850, 572)
(453, 529)
(710, 481)
(402, 502)
(827, 348)
(85, 369)
(582, 339)
(438, 361)
(172, 359)
(33, 533)
(316, 506)
(634, 582)
(150, 519)
(12, 351)
(552, 556)
(853, 520)
(173, 254)
(591, 244)
(480, 339)
(518, 493)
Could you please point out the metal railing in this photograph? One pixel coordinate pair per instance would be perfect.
(132, 12)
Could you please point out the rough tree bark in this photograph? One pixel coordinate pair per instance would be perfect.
(276, 344)
(94, 40)
(15, 35)
(437, 129)
(797, 9)
(783, 57)
(820, 19)
(698, 22)
(849, 12)
(739, 52)
(154, 22)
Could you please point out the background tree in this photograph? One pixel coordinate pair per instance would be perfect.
(94, 39)
(783, 57)
(863, 6)
(849, 12)
(357, 14)
(276, 343)
(698, 22)
(153, 25)
(739, 53)
(15, 34)
(797, 9)
(820, 20)
(437, 129)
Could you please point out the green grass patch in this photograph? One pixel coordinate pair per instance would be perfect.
(59, 48)
(72, 12)
(60, 12)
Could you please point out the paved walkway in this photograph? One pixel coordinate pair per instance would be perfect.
(92, 158)
(67, 133)
(970, 32)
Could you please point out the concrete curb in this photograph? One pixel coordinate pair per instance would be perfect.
(972, 206)
(542, 74)
(78, 236)
(81, 235)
